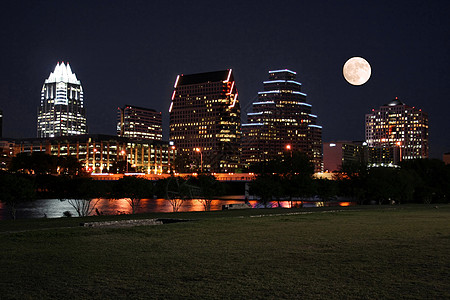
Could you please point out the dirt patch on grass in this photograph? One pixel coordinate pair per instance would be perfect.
(131, 223)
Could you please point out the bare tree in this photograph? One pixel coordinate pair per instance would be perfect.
(83, 207)
(175, 201)
(177, 191)
(206, 188)
(174, 193)
(133, 189)
(81, 193)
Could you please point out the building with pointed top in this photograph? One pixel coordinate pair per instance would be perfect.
(281, 121)
(395, 132)
(205, 122)
(62, 111)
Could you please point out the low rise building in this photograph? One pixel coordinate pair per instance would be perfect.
(100, 153)
(338, 153)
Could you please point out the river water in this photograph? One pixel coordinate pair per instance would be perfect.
(54, 208)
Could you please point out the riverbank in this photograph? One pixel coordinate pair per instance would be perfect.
(55, 208)
(353, 253)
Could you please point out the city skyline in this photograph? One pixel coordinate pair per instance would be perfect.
(131, 53)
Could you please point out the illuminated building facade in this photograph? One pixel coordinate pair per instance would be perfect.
(336, 154)
(395, 132)
(6, 153)
(100, 153)
(205, 121)
(140, 123)
(281, 117)
(62, 111)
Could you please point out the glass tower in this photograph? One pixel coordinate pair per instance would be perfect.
(395, 132)
(281, 121)
(205, 122)
(62, 111)
(138, 122)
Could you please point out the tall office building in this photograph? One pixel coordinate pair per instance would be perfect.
(139, 122)
(281, 121)
(395, 132)
(205, 121)
(62, 111)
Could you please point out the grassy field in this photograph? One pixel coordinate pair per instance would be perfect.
(358, 253)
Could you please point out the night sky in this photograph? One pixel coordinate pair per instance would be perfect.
(130, 52)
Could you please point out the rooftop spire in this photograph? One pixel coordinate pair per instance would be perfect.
(62, 73)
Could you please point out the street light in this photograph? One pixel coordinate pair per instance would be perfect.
(93, 159)
(173, 157)
(124, 153)
(289, 148)
(201, 158)
(399, 144)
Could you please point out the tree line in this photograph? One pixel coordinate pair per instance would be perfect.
(413, 181)
(290, 177)
(33, 176)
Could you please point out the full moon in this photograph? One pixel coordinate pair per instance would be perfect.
(356, 71)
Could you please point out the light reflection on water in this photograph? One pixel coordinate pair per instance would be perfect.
(54, 208)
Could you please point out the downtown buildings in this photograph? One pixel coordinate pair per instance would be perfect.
(62, 132)
(338, 153)
(205, 122)
(61, 112)
(395, 132)
(99, 153)
(281, 121)
(139, 123)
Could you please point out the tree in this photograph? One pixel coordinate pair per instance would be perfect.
(326, 189)
(70, 166)
(133, 189)
(208, 188)
(81, 193)
(431, 179)
(302, 186)
(176, 192)
(389, 184)
(262, 186)
(290, 175)
(352, 181)
(297, 171)
(121, 167)
(15, 189)
(34, 163)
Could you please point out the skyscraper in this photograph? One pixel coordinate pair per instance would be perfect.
(281, 121)
(62, 111)
(139, 122)
(395, 132)
(205, 121)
